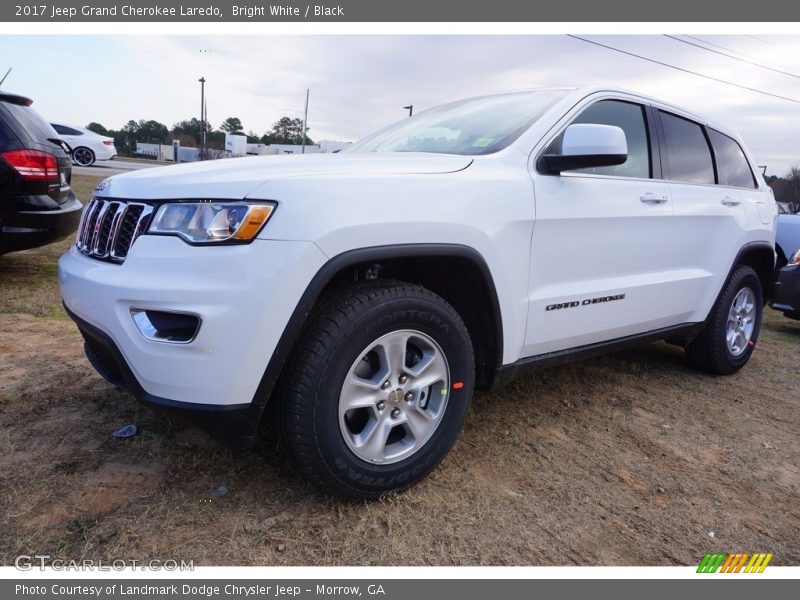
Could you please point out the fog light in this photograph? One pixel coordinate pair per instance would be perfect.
(166, 326)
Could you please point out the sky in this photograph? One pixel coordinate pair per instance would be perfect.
(361, 83)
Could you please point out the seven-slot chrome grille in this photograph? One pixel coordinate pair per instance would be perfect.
(109, 227)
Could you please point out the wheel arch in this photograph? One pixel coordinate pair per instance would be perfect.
(445, 269)
(783, 260)
(760, 256)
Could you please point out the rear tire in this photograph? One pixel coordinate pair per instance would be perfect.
(731, 332)
(83, 157)
(378, 388)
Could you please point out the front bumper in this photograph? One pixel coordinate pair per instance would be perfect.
(233, 424)
(245, 296)
(106, 153)
(21, 230)
(786, 291)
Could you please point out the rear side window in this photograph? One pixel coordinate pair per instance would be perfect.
(630, 118)
(31, 122)
(7, 136)
(688, 154)
(732, 166)
(64, 130)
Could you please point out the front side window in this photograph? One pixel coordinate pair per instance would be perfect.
(631, 119)
(732, 166)
(688, 154)
(467, 127)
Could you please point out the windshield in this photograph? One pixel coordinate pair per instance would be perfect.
(469, 127)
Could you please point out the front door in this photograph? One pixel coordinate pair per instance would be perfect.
(602, 265)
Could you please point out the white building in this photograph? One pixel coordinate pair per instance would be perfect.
(333, 145)
(235, 146)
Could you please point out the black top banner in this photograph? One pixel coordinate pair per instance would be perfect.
(399, 11)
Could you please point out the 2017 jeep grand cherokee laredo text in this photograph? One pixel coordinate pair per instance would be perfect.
(369, 292)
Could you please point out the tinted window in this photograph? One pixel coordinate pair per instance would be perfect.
(31, 123)
(63, 130)
(7, 136)
(631, 119)
(732, 166)
(688, 154)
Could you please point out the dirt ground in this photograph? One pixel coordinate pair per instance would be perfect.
(630, 459)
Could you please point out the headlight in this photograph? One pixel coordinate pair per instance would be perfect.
(795, 260)
(212, 222)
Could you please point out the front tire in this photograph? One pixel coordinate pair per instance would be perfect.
(731, 332)
(378, 388)
(83, 157)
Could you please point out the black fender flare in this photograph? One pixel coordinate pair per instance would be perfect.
(746, 249)
(351, 258)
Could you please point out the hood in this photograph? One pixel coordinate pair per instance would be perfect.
(234, 178)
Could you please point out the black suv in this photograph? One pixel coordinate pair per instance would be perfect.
(37, 205)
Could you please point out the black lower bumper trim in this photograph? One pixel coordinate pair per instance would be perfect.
(32, 229)
(235, 425)
(676, 334)
(786, 292)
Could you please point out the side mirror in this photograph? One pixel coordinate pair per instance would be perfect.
(587, 145)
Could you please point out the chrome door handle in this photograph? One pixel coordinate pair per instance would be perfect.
(651, 198)
(728, 201)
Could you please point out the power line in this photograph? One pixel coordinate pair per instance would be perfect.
(763, 41)
(749, 62)
(721, 47)
(663, 64)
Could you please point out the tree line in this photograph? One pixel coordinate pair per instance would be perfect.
(190, 133)
(787, 189)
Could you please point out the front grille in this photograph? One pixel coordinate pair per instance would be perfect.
(108, 228)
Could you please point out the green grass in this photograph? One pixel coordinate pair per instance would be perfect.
(78, 534)
(83, 186)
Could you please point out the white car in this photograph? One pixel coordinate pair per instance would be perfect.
(369, 292)
(87, 146)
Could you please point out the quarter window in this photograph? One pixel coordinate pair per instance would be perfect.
(688, 154)
(63, 130)
(30, 123)
(732, 166)
(6, 136)
(630, 118)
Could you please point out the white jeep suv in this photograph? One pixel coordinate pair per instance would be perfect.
(369, 292)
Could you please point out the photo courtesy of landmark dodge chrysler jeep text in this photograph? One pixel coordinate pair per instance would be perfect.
(368, 293)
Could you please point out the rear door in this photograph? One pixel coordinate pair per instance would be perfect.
(601, 260)
(712, 218)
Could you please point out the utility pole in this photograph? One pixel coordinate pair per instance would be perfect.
(410, 109)
(6, 75)
(202, 81)
(305, 122)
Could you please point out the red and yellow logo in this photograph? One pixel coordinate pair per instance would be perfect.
(734, 563)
